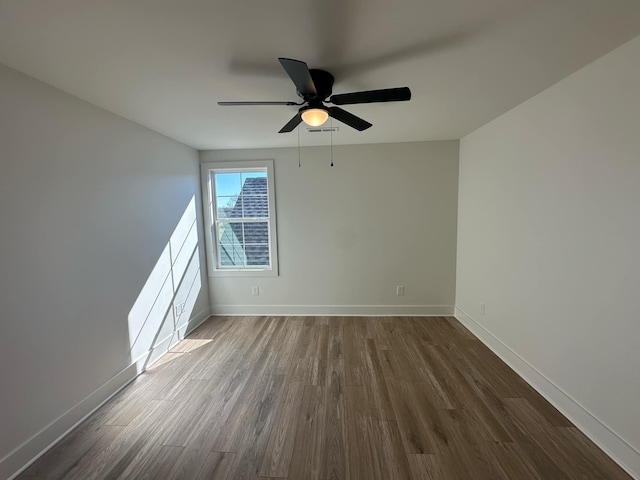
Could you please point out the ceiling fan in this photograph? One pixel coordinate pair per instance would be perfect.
(315, 88)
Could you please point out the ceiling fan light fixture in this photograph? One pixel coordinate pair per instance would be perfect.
(314, 117)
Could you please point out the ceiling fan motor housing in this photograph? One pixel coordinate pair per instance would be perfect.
(323, 81)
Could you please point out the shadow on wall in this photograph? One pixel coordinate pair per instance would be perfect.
(160, 316)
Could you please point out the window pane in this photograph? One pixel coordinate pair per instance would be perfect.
(257, 254)
(254, 183)
(227, 184)
(229, 207)
(230, 233)
(232, 255)
(256, 232)
(256, 206)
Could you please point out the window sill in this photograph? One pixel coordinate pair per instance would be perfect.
(244, 273)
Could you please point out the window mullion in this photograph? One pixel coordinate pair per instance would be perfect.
(226, 221)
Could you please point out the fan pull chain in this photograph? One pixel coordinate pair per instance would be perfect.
(331, 135)
(298, 146)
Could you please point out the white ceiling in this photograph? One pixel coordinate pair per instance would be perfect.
(165, 63)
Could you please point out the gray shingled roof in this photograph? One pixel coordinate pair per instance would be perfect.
(252, 202)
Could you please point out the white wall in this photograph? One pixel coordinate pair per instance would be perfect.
(384, 215)
(549, 240)
(88, 204)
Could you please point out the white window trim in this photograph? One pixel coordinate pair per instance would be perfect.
(208, 201)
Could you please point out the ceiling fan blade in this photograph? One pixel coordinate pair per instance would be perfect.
(401, 94)
(349, 118)
(300, 75)
(234, 104)
(293, 123)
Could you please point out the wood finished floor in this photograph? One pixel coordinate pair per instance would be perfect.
(327, 398)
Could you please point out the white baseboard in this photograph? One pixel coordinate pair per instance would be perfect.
(197, 320)
(162, 347)
(333, 310)
(32, 449)
(19, 459)
(621, 451)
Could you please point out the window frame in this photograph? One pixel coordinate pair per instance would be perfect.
(208, 170)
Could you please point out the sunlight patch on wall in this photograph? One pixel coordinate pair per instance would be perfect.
(160, 315)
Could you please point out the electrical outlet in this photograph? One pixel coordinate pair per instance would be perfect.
(400, 290)
(255, 291)
(178, 309)
(482, 306)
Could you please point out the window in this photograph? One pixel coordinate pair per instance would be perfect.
(241, 218)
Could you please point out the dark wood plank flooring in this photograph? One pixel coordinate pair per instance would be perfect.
(327, 398)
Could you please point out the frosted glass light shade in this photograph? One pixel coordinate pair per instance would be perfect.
(314, 117)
